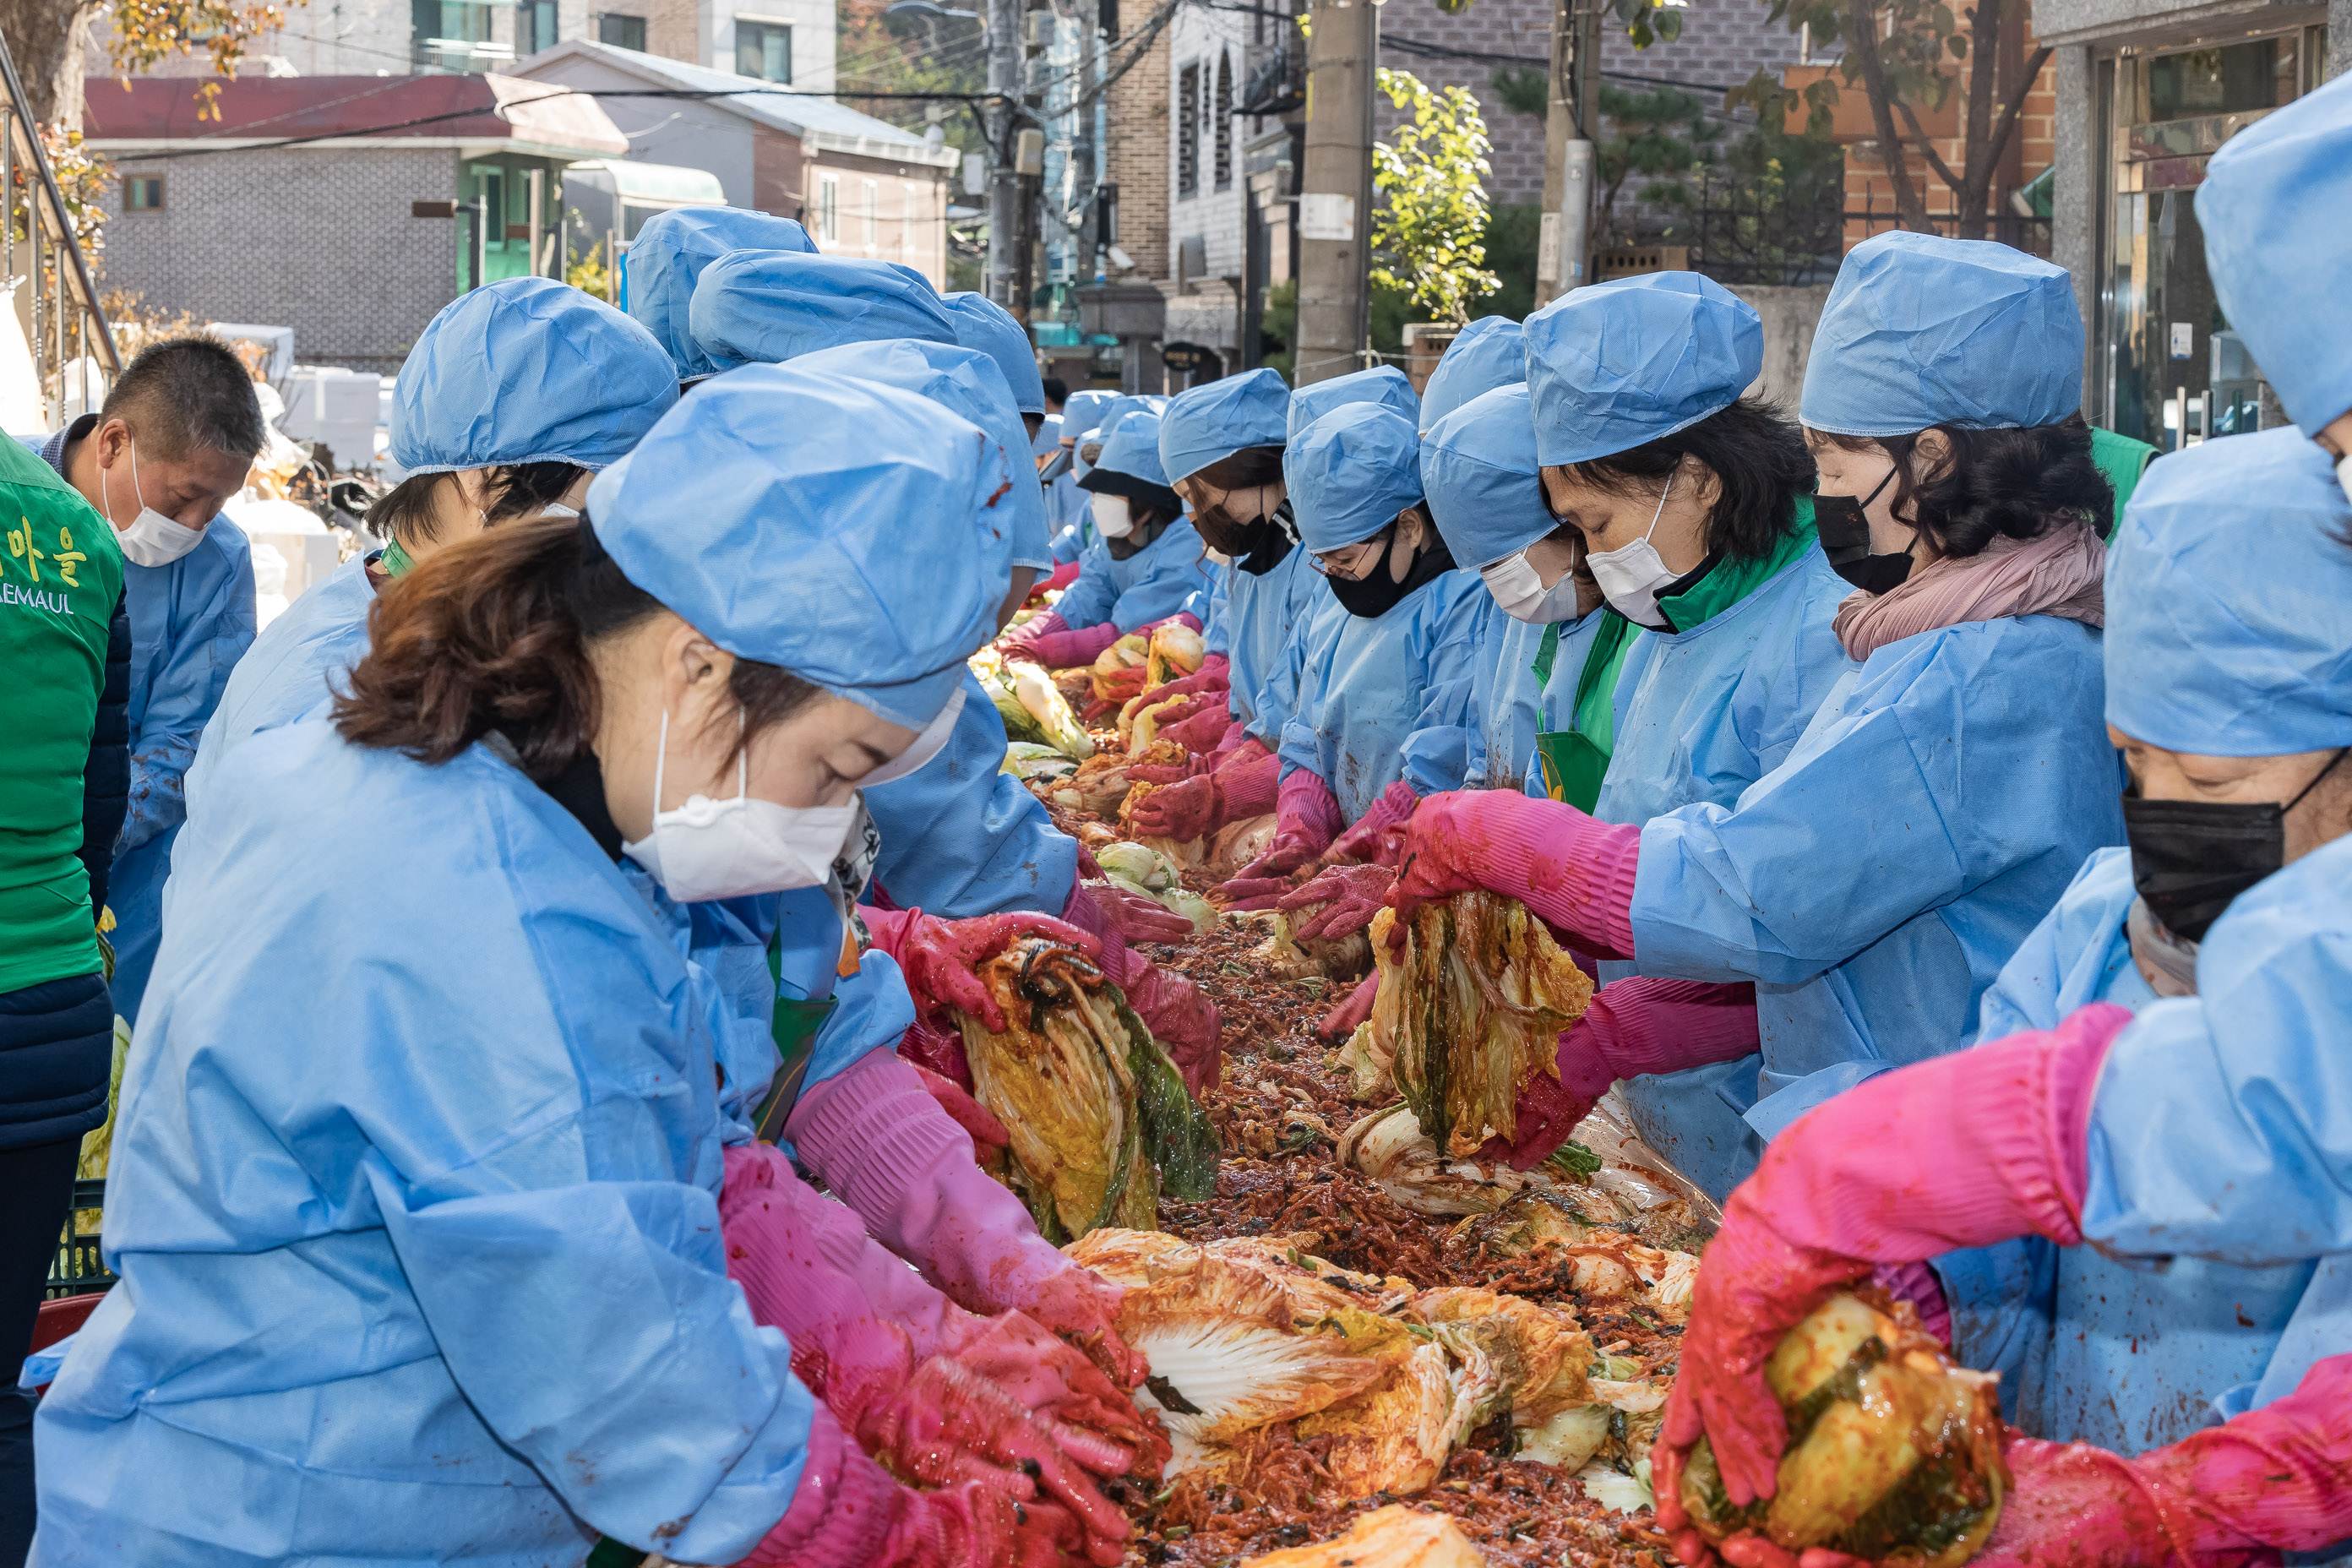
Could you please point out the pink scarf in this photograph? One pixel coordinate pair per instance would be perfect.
(2062, 573)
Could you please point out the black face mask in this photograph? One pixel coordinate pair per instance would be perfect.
(1266, 541)
(1379, 593)
(2190, 857)
(1845, 540)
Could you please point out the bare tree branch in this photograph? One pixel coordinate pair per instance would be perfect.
(2015, 107)
(1927, 148)
(1910, 207)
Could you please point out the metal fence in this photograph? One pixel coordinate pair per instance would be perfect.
(1742, 231)
(46, 276)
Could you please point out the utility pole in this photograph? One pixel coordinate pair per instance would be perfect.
(1004, 180)
(1335, 203)
(1565, 241)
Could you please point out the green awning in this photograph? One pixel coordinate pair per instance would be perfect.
(656, 185)
(2032, 199)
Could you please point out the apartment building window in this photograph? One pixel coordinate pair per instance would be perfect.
(534, 27)
(621, 30)
(142, 193)
(911, 209)
(873, 195)
(1222, 122)
(764, 49)
(1188, 130)
(828, 208)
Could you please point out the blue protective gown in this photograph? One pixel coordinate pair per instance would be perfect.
(1149, 586)
(191, 622)
(1265, 613)
(2222, 1127)
(1497, 707)
(420, 1256)
(962, 838)
(1213, 607)
(1874, 883)
(1698, 716)
(294, 669)
(2122, 1353)
(1371, 681)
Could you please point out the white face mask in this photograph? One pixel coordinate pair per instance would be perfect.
(728, 848)
(927, 745)
(1630, 578)
(1519, 590)
(153, 539)
(1111, 519)
(2343, 475)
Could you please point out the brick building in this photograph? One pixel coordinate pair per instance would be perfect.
(356, 236)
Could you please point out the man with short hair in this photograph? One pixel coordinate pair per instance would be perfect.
(173, 443)
(1057, 393)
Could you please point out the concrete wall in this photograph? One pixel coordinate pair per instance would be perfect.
(1789, 317)
(319, 239)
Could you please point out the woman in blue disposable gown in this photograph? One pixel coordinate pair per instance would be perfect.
(1399, 653)
(960, 838)
(1144, 567)
(1872, 884)
(2202, 1148)
(514, 396)
(420, 1258)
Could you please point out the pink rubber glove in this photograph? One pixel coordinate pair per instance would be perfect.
(1205, 731)
(1636, 1026)
(1575, 873)
(1213, 676)
(947, 1425)
(2275, 1479)
(1308, 820)
(1063, 575)
(1341, 1021)
(1133, 915)
(1035, 627)
(1181, 618)
(1234, 793)
(1070, 650)
(1193, 767)
(1180, 1017)
(1188, 707)
(1967, 1150)
(1351, 896)
(879, 1139)
(1238, 747)
(847, 1512)
(939, 958)
(987, 1134)
(1365, 840)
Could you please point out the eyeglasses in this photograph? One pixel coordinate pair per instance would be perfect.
(1352, 562)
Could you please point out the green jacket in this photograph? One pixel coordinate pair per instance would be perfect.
(60, 578)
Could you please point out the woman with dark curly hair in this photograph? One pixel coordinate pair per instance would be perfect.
(1872, 884)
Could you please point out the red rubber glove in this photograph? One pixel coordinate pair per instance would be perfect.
(1135, 916)
(1308, 820)
(847, 1512)
(1981, 1146)
(1193, 767)
(1180, 1017)
(1210, 677)
(1370, 838)
(1187, 808)
(1205, 731)
(947, 1425)
(1575, 873)
(1636, 1026)
(1069, 649)
(940, 957)
(1056, 1381)
(1188, 706)
(1341, 1021)
(1351, 896)
(2275, 1479)
(1181, 618)
(1063, 575)
(1034, 627)
(987, 1134)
